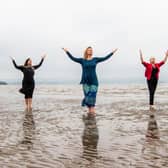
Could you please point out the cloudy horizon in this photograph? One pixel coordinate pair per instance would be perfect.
(32, 28)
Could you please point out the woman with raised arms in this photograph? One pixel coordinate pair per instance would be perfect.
(28, 83)
(89, 77)
(152, 75)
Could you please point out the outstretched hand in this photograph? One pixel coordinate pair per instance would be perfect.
(65, 49)
(44, 56)
(141, 56)
(167, 53)
(11, 58)
(114, 50)
(140, 52)
(166, 56)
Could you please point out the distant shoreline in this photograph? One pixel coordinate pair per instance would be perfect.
(77, 83)
(3, 83)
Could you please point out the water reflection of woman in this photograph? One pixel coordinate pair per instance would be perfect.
(152, 134)
(152, 130)
(28, 129)
(90, 137)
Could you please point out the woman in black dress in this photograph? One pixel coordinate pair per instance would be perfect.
(28, 83)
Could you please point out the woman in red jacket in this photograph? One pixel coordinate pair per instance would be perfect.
(152, 75)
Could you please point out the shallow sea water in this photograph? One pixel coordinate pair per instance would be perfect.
(59, 133)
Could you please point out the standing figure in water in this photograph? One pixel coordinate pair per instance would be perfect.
(28, 83)
(89, 77)
(152, 75)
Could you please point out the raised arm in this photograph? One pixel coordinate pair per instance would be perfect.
(141, 58)
(164, 60)
(101, 59)
(38, 65)
(78, 60)
(15, 65)
(166, 56)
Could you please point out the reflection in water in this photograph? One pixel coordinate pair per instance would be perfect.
(152, 130)
(90, 137)
(55, 141)
(28, 129)
(153, 147)
(152, 144)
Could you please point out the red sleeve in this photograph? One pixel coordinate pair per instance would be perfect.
(145, 64)
(161, 63)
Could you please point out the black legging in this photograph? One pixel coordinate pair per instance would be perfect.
(152, 84)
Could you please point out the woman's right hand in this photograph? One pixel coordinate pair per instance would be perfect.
(141, 56)
(11, 58)
(65, 49)
(140, 52)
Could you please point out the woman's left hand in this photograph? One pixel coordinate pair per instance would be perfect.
(167, 53)
(44, 56)
(114, 50)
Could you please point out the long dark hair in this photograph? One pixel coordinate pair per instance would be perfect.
(26, 62)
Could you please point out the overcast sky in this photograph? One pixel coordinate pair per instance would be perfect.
(29, 28)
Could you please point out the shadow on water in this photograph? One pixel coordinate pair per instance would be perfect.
(90, 137)
(28, 130)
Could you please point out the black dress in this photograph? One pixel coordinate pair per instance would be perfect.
(28, 83)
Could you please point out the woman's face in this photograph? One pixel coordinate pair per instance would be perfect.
(89, 52)
(29, 63)
(152, 60)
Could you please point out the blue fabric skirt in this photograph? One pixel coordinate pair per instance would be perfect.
(90, 92)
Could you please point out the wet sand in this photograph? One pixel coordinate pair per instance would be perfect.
(58, 133)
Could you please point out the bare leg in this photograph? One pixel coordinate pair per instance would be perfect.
(27, 104)
(30, 101)
(91, 110)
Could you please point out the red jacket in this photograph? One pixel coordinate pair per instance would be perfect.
(148, 70)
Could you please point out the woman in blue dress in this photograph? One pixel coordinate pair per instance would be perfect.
(89, 78)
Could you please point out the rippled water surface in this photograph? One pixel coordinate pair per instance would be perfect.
(59, 133)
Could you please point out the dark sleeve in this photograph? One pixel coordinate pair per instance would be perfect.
(16, 66)
(37, 66)
(78, 60)
(101, 59)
